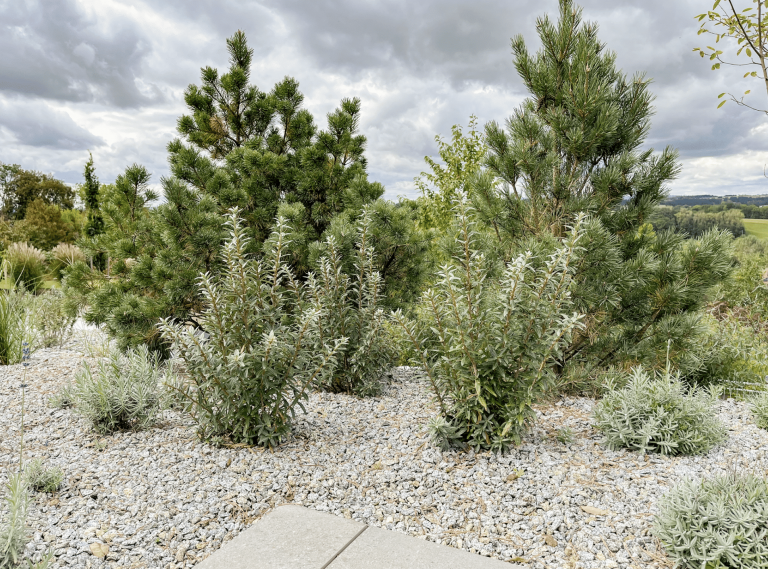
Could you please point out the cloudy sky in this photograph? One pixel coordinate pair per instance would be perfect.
(108, 76)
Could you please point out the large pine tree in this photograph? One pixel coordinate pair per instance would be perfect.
(262, 153)
(576, 144)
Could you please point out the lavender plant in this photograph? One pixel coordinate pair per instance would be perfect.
(41, 478)
(14, 534)
(487, 345)
(259, 350)
(659, 414)
(717, 522)
(122, 393)
(351, 308)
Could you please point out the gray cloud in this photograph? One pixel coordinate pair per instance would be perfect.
(56, 49)
(38, 125)
(119, 70)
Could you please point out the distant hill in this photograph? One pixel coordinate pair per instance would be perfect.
(715, 200)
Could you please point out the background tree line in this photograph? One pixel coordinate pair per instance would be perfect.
(36, 208)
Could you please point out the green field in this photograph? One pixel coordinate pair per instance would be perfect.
(757, 227)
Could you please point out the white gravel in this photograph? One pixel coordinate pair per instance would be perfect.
(161, 498)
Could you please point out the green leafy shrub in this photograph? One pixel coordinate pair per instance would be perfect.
(659, 414)
(26, 265)
(745, 289)
(62, 256)
(14, 534)
(718, 522)
(487, 345)
(351, 308)
(16, 326)
(733, 352)
(260, 350)
(122, 393)
(759, 407)
(53, 324)
(41, 478)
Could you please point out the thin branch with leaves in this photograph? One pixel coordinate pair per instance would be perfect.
(748, 28)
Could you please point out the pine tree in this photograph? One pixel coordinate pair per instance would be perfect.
(262, 153)
(576, 145)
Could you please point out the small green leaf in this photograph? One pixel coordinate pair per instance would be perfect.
(747, 91)
(721, 104)
(749, 52)
(720, 96)
(717, 2)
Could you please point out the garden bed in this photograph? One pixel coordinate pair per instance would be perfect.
(161, 498)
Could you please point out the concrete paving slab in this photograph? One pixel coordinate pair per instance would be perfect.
(383, 549)
(289, 537)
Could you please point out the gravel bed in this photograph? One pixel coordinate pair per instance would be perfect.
(161, 498)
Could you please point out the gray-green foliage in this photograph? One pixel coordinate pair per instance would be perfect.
(759, 407)
(260, 353)
(16, 325)
(351, 307)
(52, 322)
(42, 478)
(122, 392)
(14, 534)
(659, 413)
(487, 344)
(716, 523)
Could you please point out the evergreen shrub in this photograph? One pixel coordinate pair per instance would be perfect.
(260, 349)
(122, 392)
(26, 265)
(577, 144)
(487, 344)
(659, 414)
(351, 307)
(718, 522)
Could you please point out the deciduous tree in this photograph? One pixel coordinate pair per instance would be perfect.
(748, 28)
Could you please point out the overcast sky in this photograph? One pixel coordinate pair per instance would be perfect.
(108, 76)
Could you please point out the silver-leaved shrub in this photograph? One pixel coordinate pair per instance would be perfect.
(123, 391)
(487, 345)
(351, 308)
(257, 351)
(659, 413)
(717, 522)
